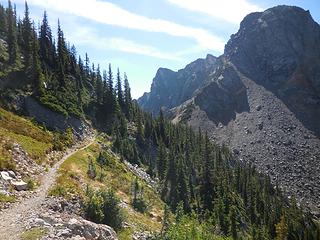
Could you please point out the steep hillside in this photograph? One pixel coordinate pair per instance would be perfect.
(263, 100)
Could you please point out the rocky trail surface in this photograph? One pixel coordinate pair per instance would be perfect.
(14, 219)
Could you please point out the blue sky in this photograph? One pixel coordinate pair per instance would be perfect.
(142, 35)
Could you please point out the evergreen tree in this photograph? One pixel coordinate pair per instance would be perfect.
(119, 91)
(207, 187)
(127, 98)
(110, 80)
(36, 71)
(161, 161)
(27, 38)
(47, 49)
(3, 22)
(12, 35)
(99, 86)
(282, 229)
(62, 57)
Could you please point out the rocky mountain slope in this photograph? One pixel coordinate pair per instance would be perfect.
(170, 88)
(262, 98)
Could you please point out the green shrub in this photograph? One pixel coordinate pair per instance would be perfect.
(61, 141)
(103, 207)
(92, 173)
(5, 198)
(138, 201)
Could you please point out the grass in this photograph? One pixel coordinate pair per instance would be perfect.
(34, 233)
(5, 155)
(73, 177)
(35, 140)
(4, 198)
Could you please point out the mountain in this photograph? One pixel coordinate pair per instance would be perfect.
(171, 88)
(262, 99)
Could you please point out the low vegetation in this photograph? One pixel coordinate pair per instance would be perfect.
(116, 184)
(34, 233)
(34, 139)
(5, 198)
(103, 206)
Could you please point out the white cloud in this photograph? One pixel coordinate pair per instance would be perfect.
(109, 13)
(83, 35)
(228, 10)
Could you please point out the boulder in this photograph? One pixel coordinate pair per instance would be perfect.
(5, 176)
(90, 230)
(12, 174)
(19, 185)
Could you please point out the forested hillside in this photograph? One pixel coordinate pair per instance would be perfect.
(210, 192)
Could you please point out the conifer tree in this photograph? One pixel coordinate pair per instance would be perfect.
(3, 22)
(27, 38)
(99, 86)
(127, 98)
(87, 65)
(36, 71)
(119, 91)
(47, 49)
(207, 187)
(12, 35)
(62, 55)
(161, 160)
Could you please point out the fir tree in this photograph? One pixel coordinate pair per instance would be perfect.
(12, 35)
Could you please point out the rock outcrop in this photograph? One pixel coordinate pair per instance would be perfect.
(53, 120)
(262, 98)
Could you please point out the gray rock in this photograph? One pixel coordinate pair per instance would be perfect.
(90, 230)
(19, 185)
(53, 120)
(12, 174)
(5, 176)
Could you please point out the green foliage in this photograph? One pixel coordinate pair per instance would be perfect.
(5, 198)
(138, 201)
(6, 161)
(32, 138)
(282, 229)
(34, 233)
(31, 184)
(189, 227)
(92, 172)
(103, 207)
(61, 141)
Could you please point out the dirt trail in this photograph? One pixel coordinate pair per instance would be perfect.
(13, 219)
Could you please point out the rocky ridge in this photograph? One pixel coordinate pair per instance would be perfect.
(171, 88)
(262, 99)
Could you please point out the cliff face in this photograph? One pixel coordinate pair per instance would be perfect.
(53, 120)
(280, 50)
(170, 88)
(262, 98)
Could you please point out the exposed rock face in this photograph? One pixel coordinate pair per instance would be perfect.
(262, 98)
(61, 220)
(170, 88)
(280, 50)
(53, 120)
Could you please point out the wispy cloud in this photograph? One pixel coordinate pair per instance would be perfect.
(227, 10)
(111, 14)
(83, 35)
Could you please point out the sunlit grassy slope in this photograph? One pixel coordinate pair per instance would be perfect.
(33, 139)
(73, 180)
